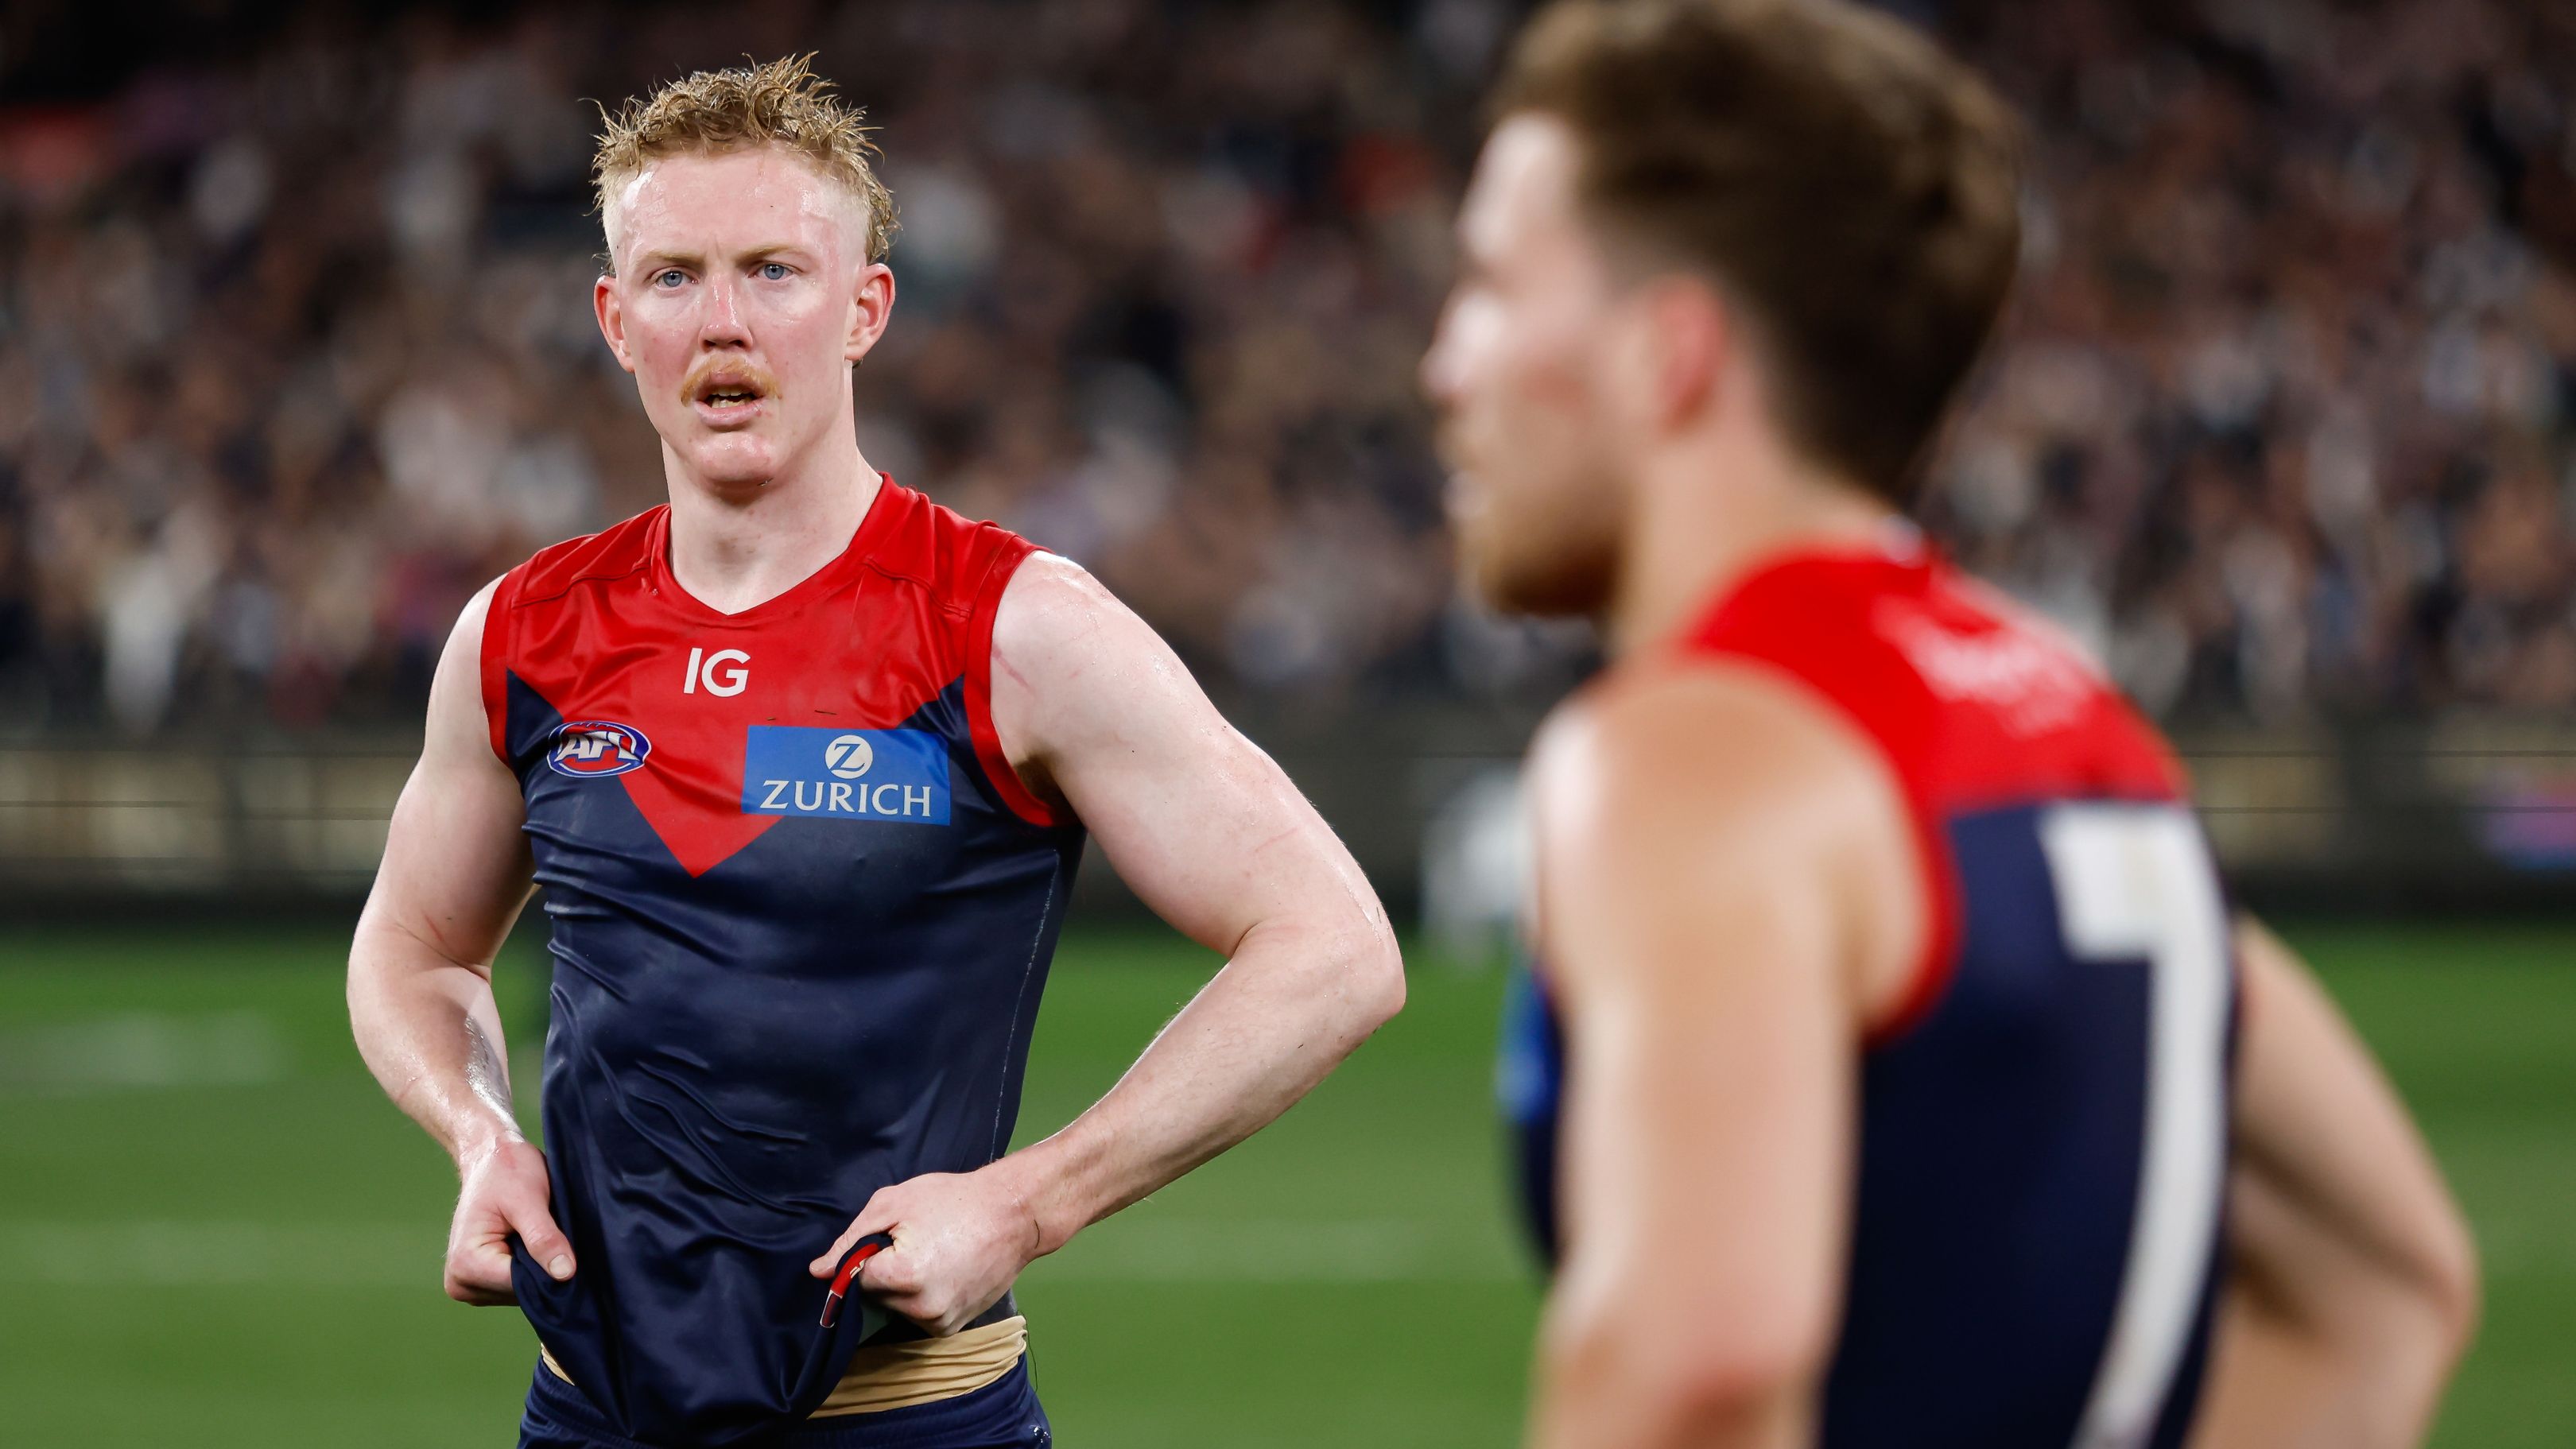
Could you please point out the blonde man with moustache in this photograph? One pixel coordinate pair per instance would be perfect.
(805, 763)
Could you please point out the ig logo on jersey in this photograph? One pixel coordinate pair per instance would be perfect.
(589, 748)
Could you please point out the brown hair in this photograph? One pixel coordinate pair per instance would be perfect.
(1847, 184)
(782, 103)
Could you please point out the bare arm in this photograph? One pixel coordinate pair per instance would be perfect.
(2353, 1285)
(1097, 712)
(1706, 846)
(455, 874)
(1214, 838)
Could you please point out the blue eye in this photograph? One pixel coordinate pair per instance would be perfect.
(669, 277)
(774, 271)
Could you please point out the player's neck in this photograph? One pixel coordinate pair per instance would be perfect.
(1702, 518)
(737, 548)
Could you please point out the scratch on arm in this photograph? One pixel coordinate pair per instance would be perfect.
(486, 1075)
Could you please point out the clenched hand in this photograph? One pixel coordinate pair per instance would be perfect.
(959, 1241)
(505, 1192)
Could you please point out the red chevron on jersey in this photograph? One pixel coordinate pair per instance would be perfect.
(800, 912)
(661, 692)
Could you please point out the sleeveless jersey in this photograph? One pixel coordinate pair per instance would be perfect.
(2043, 1124)
(800, 913)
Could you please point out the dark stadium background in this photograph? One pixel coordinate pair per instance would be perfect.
(295, 352)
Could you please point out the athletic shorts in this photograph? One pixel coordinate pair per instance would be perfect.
(1003, 1414)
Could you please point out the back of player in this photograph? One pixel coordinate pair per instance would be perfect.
(1882, 1075)
(2042, 1116)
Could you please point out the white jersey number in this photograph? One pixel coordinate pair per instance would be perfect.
(2136, 881)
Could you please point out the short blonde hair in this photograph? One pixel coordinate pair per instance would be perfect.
(780, 104)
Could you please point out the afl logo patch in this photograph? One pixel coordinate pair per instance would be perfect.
(589, 748)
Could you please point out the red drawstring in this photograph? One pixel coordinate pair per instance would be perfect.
(868, 1247)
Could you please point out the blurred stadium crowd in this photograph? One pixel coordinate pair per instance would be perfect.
(296, 348)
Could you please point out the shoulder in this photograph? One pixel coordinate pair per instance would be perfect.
(1722, 751)
(1052, 603)
(618, 551)
(1075, 671)
(1065, 650)
(1698, 787)
(462, 688)
(470, 620)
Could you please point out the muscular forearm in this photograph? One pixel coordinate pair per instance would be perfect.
(2353, 1281)
(1288, 1007)
(1629, 1385)
(1606, 1417)
(426, 1024)
(430, 1031)
(2369, 1381)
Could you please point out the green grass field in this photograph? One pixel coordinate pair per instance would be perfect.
(214, 1232)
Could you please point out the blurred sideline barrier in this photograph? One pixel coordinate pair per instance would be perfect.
(80, 822)
(2466, 812)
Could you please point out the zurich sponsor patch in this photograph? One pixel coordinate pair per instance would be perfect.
(589, 748)
(893, 775)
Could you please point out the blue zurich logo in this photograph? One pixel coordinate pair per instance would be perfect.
(588, 749)
(898, 776)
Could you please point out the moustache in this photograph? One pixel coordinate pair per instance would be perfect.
(733, 372)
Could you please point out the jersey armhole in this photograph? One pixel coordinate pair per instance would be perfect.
(1937, 877)
(1005, 563)
(495, 656)
(1935, 874)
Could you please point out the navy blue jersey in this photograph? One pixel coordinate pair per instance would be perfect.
(2043, 1123)
(800, 914)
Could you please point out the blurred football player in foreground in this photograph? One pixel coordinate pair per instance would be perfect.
(1891, 1073)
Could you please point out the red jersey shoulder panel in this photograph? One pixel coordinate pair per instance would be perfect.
(963, 565)
(942, 551)
(967, 564)
(619, 551)
(1973, 704)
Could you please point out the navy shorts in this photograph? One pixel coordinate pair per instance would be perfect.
(1003, 1414)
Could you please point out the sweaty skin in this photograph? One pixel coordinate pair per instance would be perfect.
(1713, 855)
(740, 298)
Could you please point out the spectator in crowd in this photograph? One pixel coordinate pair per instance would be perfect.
(296, 351)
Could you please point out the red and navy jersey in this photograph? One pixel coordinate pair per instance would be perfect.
(800, 910)
(2043, 1122)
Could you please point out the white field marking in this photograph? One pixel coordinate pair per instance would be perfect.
(186, 1253)
(143, 1049)
(219, 1254)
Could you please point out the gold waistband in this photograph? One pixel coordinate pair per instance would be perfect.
(922, 1371)
(926, 1370)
